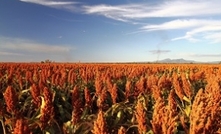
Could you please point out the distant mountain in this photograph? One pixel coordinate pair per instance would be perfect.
(168, 60)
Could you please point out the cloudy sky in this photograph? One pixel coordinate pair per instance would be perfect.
(110, 31)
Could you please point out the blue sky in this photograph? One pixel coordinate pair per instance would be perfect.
(109, 31)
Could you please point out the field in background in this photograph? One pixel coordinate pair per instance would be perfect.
(110, 98)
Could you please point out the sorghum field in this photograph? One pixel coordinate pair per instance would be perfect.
(110, 98)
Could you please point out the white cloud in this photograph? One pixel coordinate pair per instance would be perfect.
(128, 12)
(27, 46)
(187, 37)
(197, 29)
(114, 12)
(65, 5)
(185, 8)
(10, 54)
(49, 2)
(181, 24)
(210, 32)
(215, 37)
(17, 50)
(205, 28)
(159, 51)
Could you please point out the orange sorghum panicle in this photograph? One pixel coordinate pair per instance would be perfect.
(156, 93)
(128, 89)
(35, 93)
(98, 85)
(186, 85)
(70, 73)
(11, 98)
(121, 130)
(177, 86)
(151, 81)
(47, 108)
(141, 118)
(101, 99)
(100, 126)
(77, 105)
(162, 81)
(87, 96)
(53, 79)
(183, 123)
(21, 127)
(35, 76)
(171, 114)
(140, 86)
(20, 82)
(158, 114)
(205, 116)
(114, 93)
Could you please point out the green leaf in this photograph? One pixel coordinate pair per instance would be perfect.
(150, 132)
(186, 99)
(187, 110)
(119, 117)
